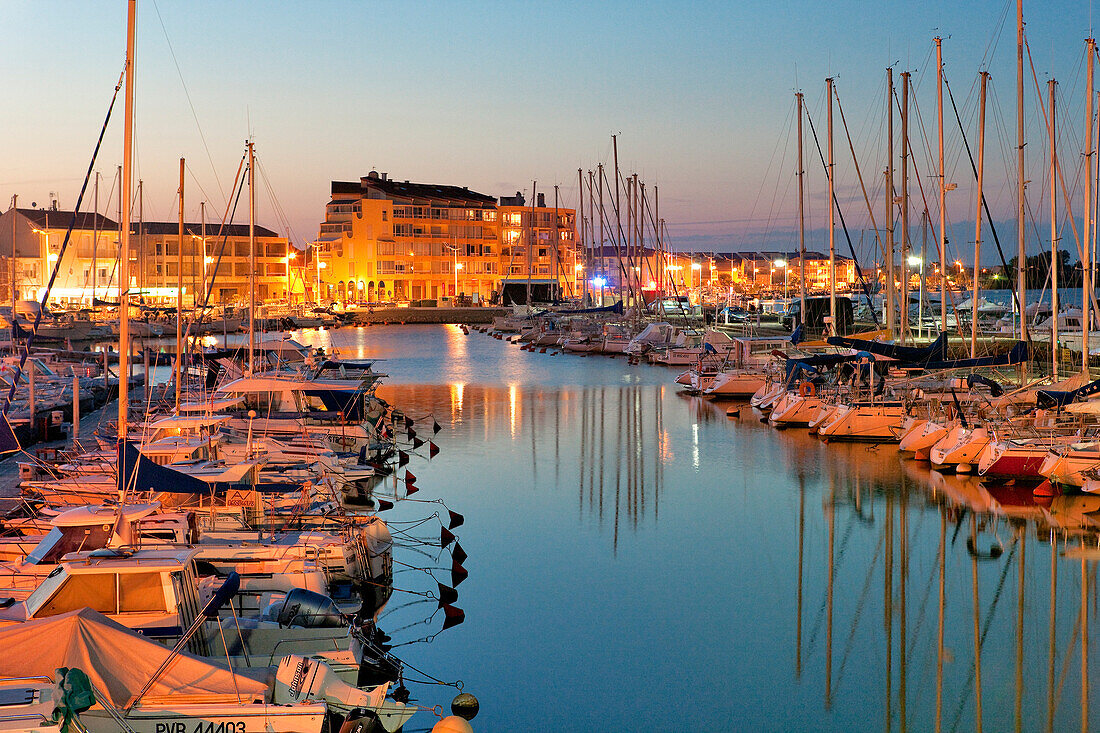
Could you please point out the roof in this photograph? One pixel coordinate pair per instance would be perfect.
(406, 190)
(117, 661)
(45, 218)
(195, 229)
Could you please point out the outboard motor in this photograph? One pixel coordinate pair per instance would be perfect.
(308, 609)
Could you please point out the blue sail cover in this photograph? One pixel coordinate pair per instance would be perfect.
(1018, 354)
(138, 473)
(153, 477)
(934, 352)
(1056, 398)
(8, 442)
(617, 308)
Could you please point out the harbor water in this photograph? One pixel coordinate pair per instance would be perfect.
(640, 561)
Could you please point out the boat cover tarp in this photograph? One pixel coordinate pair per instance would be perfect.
(1028, 395)
(1018, 354)
(617, 308)
(934, 352)
(142, 474)
(118, 661)
(1057, 398)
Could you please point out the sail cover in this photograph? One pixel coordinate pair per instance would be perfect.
(118, 661)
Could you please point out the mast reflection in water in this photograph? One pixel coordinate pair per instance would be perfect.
(637, 559)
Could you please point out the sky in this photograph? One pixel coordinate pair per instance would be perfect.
(496, 96)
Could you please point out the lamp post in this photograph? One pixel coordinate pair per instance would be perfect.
(697, 275)
(918, 263)
(458, 266)
(782, 264)
(577, 270)
(289, 258)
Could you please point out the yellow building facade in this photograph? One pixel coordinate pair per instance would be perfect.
(89, 265)
(387, 240)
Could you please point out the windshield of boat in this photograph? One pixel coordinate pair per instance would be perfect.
(60, 541)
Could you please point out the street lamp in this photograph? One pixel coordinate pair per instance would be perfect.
(781, 263)
(458, 266)
(698, 276)
(289, 258)
(917, 262)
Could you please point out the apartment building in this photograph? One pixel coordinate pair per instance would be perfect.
(217, 257)
(384, 240)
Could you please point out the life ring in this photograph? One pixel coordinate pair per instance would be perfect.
(807, 389)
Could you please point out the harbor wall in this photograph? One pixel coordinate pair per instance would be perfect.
(427, 315)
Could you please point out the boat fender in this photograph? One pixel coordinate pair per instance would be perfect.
(452, 724)
(7, 602)
(465, 706)
(807, 389)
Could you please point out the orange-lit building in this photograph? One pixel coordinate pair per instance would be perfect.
(89, 264)
(394, 240)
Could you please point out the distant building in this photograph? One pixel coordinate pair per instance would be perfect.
(90, 263)
(394, 240)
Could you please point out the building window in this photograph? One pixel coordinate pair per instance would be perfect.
(384, 213)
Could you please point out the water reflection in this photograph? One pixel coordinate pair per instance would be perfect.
(610, 442)
(769, 580)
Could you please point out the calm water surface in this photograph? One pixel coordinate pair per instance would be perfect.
(639, 561)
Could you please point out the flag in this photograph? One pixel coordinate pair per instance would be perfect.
(447, 596)
(458, 573)
(453, 616)
(445, 537)
(458, 553)
(456, 519)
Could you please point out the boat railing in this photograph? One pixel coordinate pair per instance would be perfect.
(299, 640)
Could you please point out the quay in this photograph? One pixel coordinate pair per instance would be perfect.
(442, 314)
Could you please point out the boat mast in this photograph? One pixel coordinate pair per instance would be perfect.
(1021, 257)
(832, 231)
(202, 261)
(904, 315)
(179, 295)
(531, 239)
(554, 259)
(618, 222)
(801, 220)
(1086, 264)
(124, 228)
(603, 259)
(582, 242)
(251, 259)
(14, 290)
(984, 75)
(889, 294)
(943, 187)
(1054, 259)
(95, 236)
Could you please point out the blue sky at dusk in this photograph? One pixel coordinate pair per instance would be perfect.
(495, 95)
